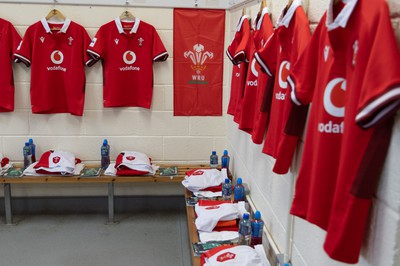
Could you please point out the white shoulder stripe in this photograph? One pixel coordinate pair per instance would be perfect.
(293, 92)
(262, 64)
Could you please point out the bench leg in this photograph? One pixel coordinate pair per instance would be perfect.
(7, 203)
(111, 219)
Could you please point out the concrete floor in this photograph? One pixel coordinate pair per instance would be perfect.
(142, 237)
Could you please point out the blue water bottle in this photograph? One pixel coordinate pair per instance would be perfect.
(105, 154)
(257, 229)
(225, 160)
(227, 190)
(27, 155)
(214, 159)
(244, 230)
(238, 191)
(33, 150)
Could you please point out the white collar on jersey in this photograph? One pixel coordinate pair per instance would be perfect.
(64, 28)
(259, 23)
(343, 17)
(121, 29)
(242, 18)
(284, 19)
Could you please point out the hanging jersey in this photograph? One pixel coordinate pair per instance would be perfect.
(133, 163)
(255, 78)
(9, 40)
(318, 78)
(127, 51)
(56, 162)
(238, 70)
(291, 36)
(57, 53)
(372, 63)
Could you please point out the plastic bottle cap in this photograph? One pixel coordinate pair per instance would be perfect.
(257, 215)
(225, 152)
(239, 181)
(105, 142)
(246, 216)
(30, 141)
(227, 180)
(26, 143)
(214, 152)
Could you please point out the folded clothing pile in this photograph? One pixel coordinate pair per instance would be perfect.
(215, 215)
(4, 164)
(235, 255)
(55, 163)
(205, 179)
(131, 163)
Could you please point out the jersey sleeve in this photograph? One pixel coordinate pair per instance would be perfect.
(159, 51)
(267, 55)
(240, 53)
(230, 51)
(380, 95)
(14, 40)
(96, 48)
(23, 53)
(88, 60)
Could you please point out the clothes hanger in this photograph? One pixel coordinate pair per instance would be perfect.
(127, 16)
(262, 5)
(55, 14)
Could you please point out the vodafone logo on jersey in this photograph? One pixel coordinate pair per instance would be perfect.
(254, 71)
(198, 173)
(213, 207)
(226, 256)
(130, 158)
(334, 105)
(129, 57)
(283, 74)
(57, 57)
(334, 97)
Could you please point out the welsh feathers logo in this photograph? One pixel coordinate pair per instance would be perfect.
(57, 57)
(198, 57)
(283, 74)
(226, 256)
(129, 57)
(198, 172)
(56, 159)
(334, 97)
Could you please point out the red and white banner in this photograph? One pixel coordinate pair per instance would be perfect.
(198, 61)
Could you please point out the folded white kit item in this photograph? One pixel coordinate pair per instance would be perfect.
(236, 256)
(204, 178)
(135, 163)
(218, 236)
(30, 171)
(208, 216)
(4, 164)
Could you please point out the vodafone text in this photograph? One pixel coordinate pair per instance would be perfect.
(331, 127)
(280, 96)
(57, 68)
(252, 83)
(129, 68)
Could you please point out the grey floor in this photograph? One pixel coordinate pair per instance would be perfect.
(146, 235)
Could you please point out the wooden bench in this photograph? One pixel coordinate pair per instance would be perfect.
(103, 179)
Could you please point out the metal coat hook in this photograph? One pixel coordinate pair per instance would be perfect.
(196, 4)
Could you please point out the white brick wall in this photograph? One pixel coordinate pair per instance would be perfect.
(271, 193)
(186, 139)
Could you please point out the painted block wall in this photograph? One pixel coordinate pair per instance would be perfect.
(271, 193)
(156, 132)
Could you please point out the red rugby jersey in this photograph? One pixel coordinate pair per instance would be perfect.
(238, 70)
(290, 38)
(9, 40)
(127, 50)
(57, 59)
(318, 78)
(372, 63)
(245, 52)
